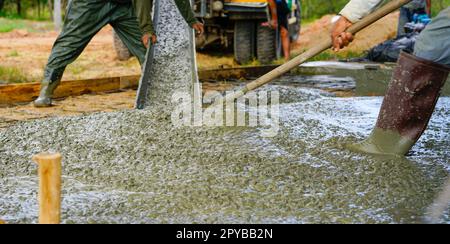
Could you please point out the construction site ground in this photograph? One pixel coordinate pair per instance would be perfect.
(23, 54)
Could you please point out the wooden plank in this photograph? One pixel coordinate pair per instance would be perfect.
(129, 82)
(18, 93)
(27, 92)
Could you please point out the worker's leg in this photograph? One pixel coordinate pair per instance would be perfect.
(84, 19)
(127, 28)
(283, 14)
(413, 92)
(286, 43)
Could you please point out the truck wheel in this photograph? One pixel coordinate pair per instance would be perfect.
(266, 48)
(244, 41)
(122, 51)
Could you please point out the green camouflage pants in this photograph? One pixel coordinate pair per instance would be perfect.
(84, 18)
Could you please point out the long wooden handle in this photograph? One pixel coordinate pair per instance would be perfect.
(324, 45)
(49, 187)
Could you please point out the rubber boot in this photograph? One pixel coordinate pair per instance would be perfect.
(52, 78)
(407, 107)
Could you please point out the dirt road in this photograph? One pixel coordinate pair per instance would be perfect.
(380, 31)
(29, 52)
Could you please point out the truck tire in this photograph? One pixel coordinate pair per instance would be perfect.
(266, 44)
(244, 41)
(122, 51)
(294, 29)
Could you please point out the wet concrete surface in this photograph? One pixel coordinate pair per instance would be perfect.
(173, 63)
(135, 167)
(324, 82)
(371, 79)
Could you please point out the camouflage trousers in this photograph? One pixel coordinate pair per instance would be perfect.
(84, 18)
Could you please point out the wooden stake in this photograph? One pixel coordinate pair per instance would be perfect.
(49, 187)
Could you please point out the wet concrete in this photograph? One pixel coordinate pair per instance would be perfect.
(341, 65)
(134, 166)
(173, 63)
(371, 79)
(325, 82)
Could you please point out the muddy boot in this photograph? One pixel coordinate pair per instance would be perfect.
(52, 78)
(407, 107)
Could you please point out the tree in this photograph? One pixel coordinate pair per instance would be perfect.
(19, 7)
(57, 14)
(1, 4)
(50, 7)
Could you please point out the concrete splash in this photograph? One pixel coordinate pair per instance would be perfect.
(173, 62)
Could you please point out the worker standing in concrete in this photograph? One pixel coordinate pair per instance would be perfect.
(280, 10)
(415, 86)
(408, 11)
(131, 19)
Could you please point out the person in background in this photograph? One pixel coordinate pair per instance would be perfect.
(280, 10)
(407, 13)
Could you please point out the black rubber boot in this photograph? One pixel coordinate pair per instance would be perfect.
(407, 107)
(52, 78)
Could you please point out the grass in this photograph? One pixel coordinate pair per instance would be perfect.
(76, 69)
(214, 59)
(331, 55)
(13, 75)
(254, 62)
(13, 53)
(10, 24)
(29, 14)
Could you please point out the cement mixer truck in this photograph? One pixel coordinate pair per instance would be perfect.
(238, 23)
